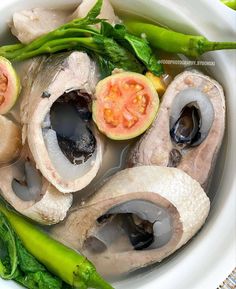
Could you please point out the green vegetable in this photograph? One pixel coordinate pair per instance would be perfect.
(230, 3)
(31, 273)
(116, 54)
(77, 35)
(70, 267)
(175, 42)
(106, 67)
(75, 28)
(140, 47)
(19, 265)
(106, 47)
(145, 54)
(71, 29)
(112, 46)
(9, 264)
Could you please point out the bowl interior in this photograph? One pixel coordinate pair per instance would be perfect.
(189, 266)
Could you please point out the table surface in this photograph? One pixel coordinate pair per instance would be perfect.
(230, 281)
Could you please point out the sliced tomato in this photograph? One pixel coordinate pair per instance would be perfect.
(125, 105)
(9, 85)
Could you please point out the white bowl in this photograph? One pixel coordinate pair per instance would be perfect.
(206, 261)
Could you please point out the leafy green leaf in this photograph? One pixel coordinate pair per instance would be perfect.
(96, 10)
(105, 66)
(144, 52)
(39, 280)
(9, 262)
(89, 19)
(140, 47)
(27, 262)
(117, 55)
(116, 32)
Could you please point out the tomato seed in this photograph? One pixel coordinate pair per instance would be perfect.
(2, 99)
(3, 82)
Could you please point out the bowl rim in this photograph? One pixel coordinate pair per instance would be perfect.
(219, 256)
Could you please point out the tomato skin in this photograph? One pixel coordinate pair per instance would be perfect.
(9, 85)
(125, 105)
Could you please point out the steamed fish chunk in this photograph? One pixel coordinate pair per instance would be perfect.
(139, 217)
(57, 121)
(10, 140)
(107, 11)
(27, 25)
(188, 130)
(25, 189)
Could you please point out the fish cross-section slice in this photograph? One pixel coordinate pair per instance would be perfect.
(139, 217)
(56, 119)
(188, 130)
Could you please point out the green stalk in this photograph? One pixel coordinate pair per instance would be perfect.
(81, 25)
(55, 46)
(230, 3)
(175, 42)
(57, 34)
(11, 53)
(10, 48)
(105, 47)
(210, 46)
(67, 264)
